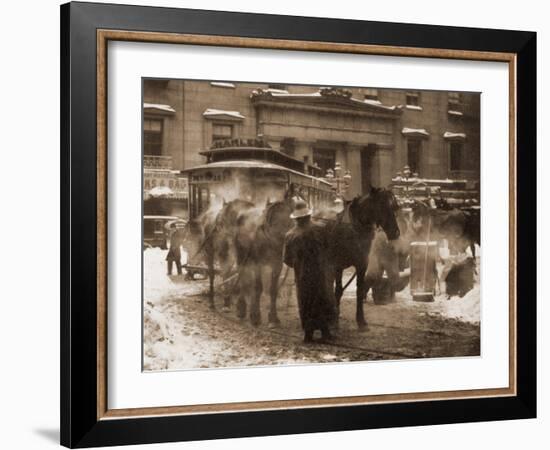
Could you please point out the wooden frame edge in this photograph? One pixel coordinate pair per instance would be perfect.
(101, 104)
(512, 239)
(284, 44)
(105, 35)
(323, 402)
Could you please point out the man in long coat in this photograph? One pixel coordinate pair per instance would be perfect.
(306, 251)
(174, 253)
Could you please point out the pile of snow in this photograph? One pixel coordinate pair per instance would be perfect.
(171, 342)
(170, 339)
(156, 284)
(158, 337)
(465, 309)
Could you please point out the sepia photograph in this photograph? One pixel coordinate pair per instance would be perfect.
(289, 224)
(275, 225)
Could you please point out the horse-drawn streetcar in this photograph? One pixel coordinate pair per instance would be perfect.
(251, 170)
(252, 173)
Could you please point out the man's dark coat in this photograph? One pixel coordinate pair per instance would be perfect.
(307, 252)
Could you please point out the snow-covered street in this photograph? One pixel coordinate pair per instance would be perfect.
(182, 332)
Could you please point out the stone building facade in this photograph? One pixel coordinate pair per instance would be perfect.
(373, 133)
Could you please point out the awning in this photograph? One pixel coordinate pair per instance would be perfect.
(415, 132)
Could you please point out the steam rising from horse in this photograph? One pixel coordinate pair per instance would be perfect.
(460, 227)
(247, 239)
(258, 249)
(250, 239)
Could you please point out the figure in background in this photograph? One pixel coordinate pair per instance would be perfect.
(294, 194)
(306, 251)
(339, 208)
(174, 253)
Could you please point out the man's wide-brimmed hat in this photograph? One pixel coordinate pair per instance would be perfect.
(300, 210)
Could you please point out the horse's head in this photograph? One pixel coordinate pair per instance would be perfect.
(195, 233)
(277, 217)
(420, 211)
(230, 213)
(377, 208)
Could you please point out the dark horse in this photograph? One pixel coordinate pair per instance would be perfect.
(259, 245)
(351, 242)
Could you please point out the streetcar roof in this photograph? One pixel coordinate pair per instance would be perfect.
(257, 153)
(222, 151)
(252, 164)
(161, 217)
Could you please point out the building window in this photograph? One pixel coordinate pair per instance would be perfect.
(324, 158)
(413, 99)
(454, 103)
(414, 147)
(288, 146)
(456, 156)
(221, 132)
(152, 137)
(371, 94)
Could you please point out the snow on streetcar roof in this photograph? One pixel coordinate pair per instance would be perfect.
(161, 217)
(250, 164)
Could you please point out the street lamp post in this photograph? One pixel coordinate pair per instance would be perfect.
(406, 175)
(339, 182)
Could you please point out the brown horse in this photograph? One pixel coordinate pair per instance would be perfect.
(236, 218)
(259, 245)
(211, 237)
(389, 257)
(242, 240)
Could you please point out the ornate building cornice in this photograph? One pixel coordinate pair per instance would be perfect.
(335, 100)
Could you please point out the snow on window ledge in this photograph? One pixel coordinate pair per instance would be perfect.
(455, 113)
(414, 107)
(222, 84)
(420, 132)
(210, 112)
(159, 107)
(451, 135)
(276, 91)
